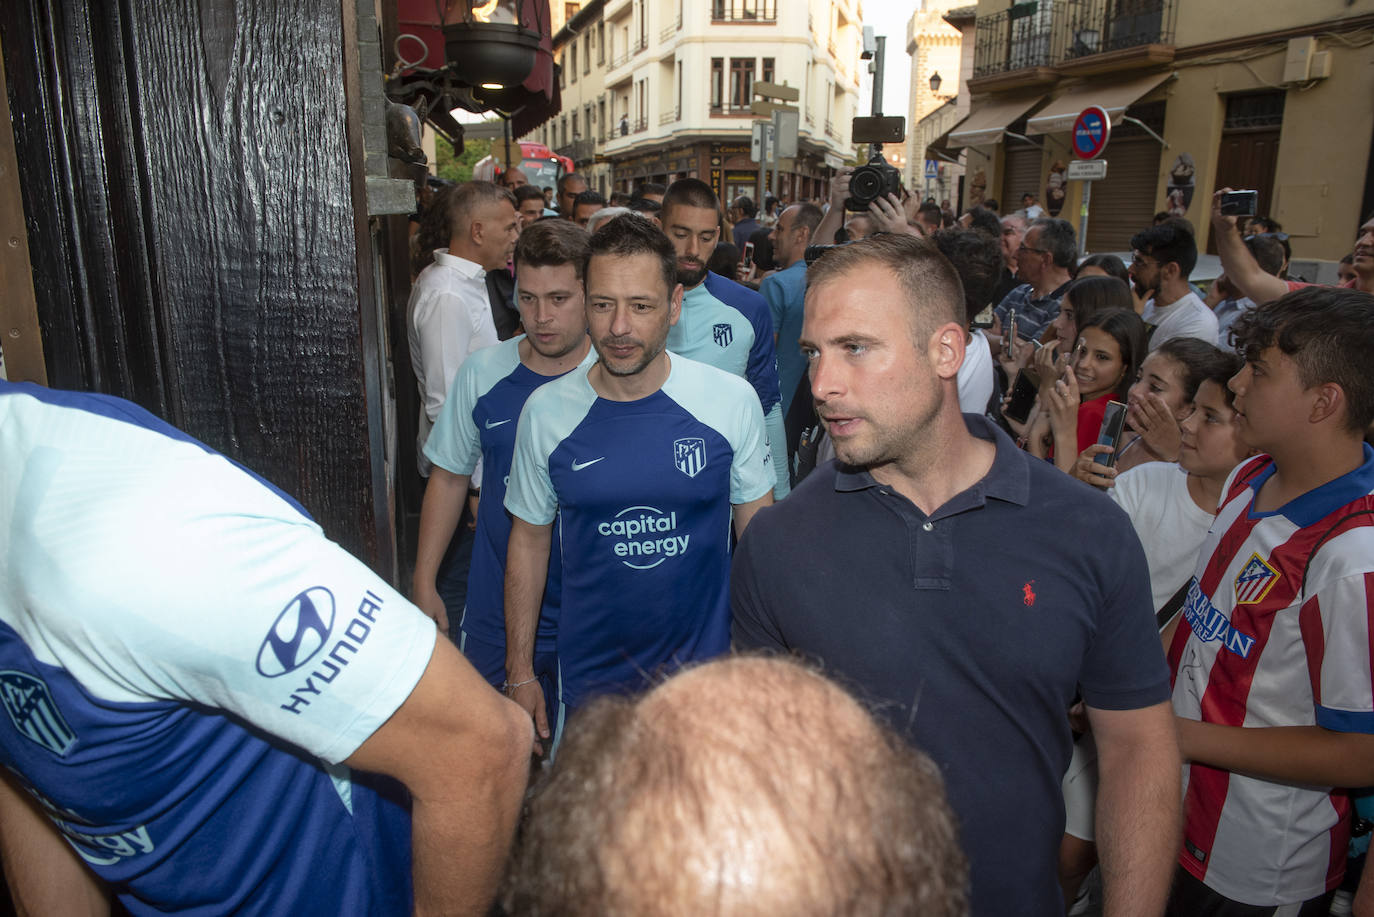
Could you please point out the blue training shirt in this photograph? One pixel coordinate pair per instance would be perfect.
(727, 325)
(479, 420)
(643, 490)
(185, 660)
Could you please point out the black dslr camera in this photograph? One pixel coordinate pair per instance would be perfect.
(870, 182)
(877, 178)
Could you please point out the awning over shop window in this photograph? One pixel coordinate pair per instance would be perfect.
(988, 120)
(1060, 114)
(940, 149)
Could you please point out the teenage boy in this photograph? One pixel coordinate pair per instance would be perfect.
(478, 421)
(1272, 663)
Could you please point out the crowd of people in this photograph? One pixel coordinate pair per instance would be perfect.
(1031, 565)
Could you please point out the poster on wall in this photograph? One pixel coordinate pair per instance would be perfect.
(1180, 189)
(1055, 186)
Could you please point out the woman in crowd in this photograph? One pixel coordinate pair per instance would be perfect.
(1168, 380)
(1105, 360)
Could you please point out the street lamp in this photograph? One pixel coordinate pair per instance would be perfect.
(935, 82)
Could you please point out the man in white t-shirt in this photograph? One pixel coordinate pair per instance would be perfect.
(449, 313)
(977, 259)
(1162, 258)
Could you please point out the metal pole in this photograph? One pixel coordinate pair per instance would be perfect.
(505, 129)
(879, 56)
(1083, 219)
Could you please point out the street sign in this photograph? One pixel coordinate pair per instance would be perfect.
(1087, 170)
(776, 91)
(932, 170)
(758, 141)
(766, 109)
(1091, 130)
(785, 123)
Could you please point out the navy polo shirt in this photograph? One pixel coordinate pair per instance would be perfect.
(969, 630)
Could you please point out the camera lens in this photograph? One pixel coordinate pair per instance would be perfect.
(866, 183)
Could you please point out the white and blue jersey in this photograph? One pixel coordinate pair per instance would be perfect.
(185, 660)
(643, 490)
(729, 326)
(478, 421)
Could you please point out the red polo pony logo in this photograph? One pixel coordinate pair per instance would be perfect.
(1028, 594)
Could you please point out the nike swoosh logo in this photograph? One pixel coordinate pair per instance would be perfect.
(578, 466)
(492, 426)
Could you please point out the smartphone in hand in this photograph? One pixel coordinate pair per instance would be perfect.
(1109, 434)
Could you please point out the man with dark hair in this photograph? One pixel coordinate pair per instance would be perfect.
(649, 191)
(991, 204)
(1254, 282)
(478, 423)
(196, 681)
(859, 226)
(977, 259)
(1227, 301)
(569, 187)
(917, 568)
(785, 290)
(930, 217)
(1162, 258)
(586, 204)
(1044, 263)
(723, 323)
(1272, 659)
(641, 458)
(529, 202)
(742, 214)
(685, 802)
(1031, 206)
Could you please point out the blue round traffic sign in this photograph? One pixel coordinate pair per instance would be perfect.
(1091, 129)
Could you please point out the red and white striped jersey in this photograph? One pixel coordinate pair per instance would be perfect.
(1278, 634)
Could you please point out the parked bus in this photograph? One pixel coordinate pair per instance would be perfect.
(541, 165)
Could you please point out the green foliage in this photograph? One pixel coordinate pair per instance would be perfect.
(458, 168)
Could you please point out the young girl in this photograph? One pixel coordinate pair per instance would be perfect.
(1108, 354)
(1171, 508)
(1161, 396)
(1084, 298)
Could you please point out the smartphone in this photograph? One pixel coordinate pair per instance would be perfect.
(1011, 329)
(1239, 203)
(1113, 421)
(748, 257)
(1022, 398)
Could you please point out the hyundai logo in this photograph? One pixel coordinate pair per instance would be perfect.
(298, 633)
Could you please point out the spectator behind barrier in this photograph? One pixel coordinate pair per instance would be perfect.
(743, 786)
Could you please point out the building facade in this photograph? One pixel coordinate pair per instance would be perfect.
(934, 45)
(1201, 95)
(656, 90)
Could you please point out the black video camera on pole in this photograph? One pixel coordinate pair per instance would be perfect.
(869, 182)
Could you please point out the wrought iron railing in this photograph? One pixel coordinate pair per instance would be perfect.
(1098, 26)
(1043, 33)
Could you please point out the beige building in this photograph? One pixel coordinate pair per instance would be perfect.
(655, 90)
(1272, 95)
(934, 45)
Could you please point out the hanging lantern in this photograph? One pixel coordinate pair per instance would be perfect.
(491, 47)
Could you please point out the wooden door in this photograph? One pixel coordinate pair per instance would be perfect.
(193, 187)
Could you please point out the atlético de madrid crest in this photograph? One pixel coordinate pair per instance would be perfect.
(1254, 581)
(30, 706)
(723, 334)
(689, 455)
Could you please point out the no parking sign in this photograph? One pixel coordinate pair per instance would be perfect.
(1091, 130)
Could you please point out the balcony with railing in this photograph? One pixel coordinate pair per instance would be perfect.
(579, 151)
(744, 10)
(669, 116)
(1036, 41)
(1104, 35)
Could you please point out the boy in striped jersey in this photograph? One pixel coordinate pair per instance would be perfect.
(1272, 658)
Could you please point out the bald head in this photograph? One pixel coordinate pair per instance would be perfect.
(729, 790)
